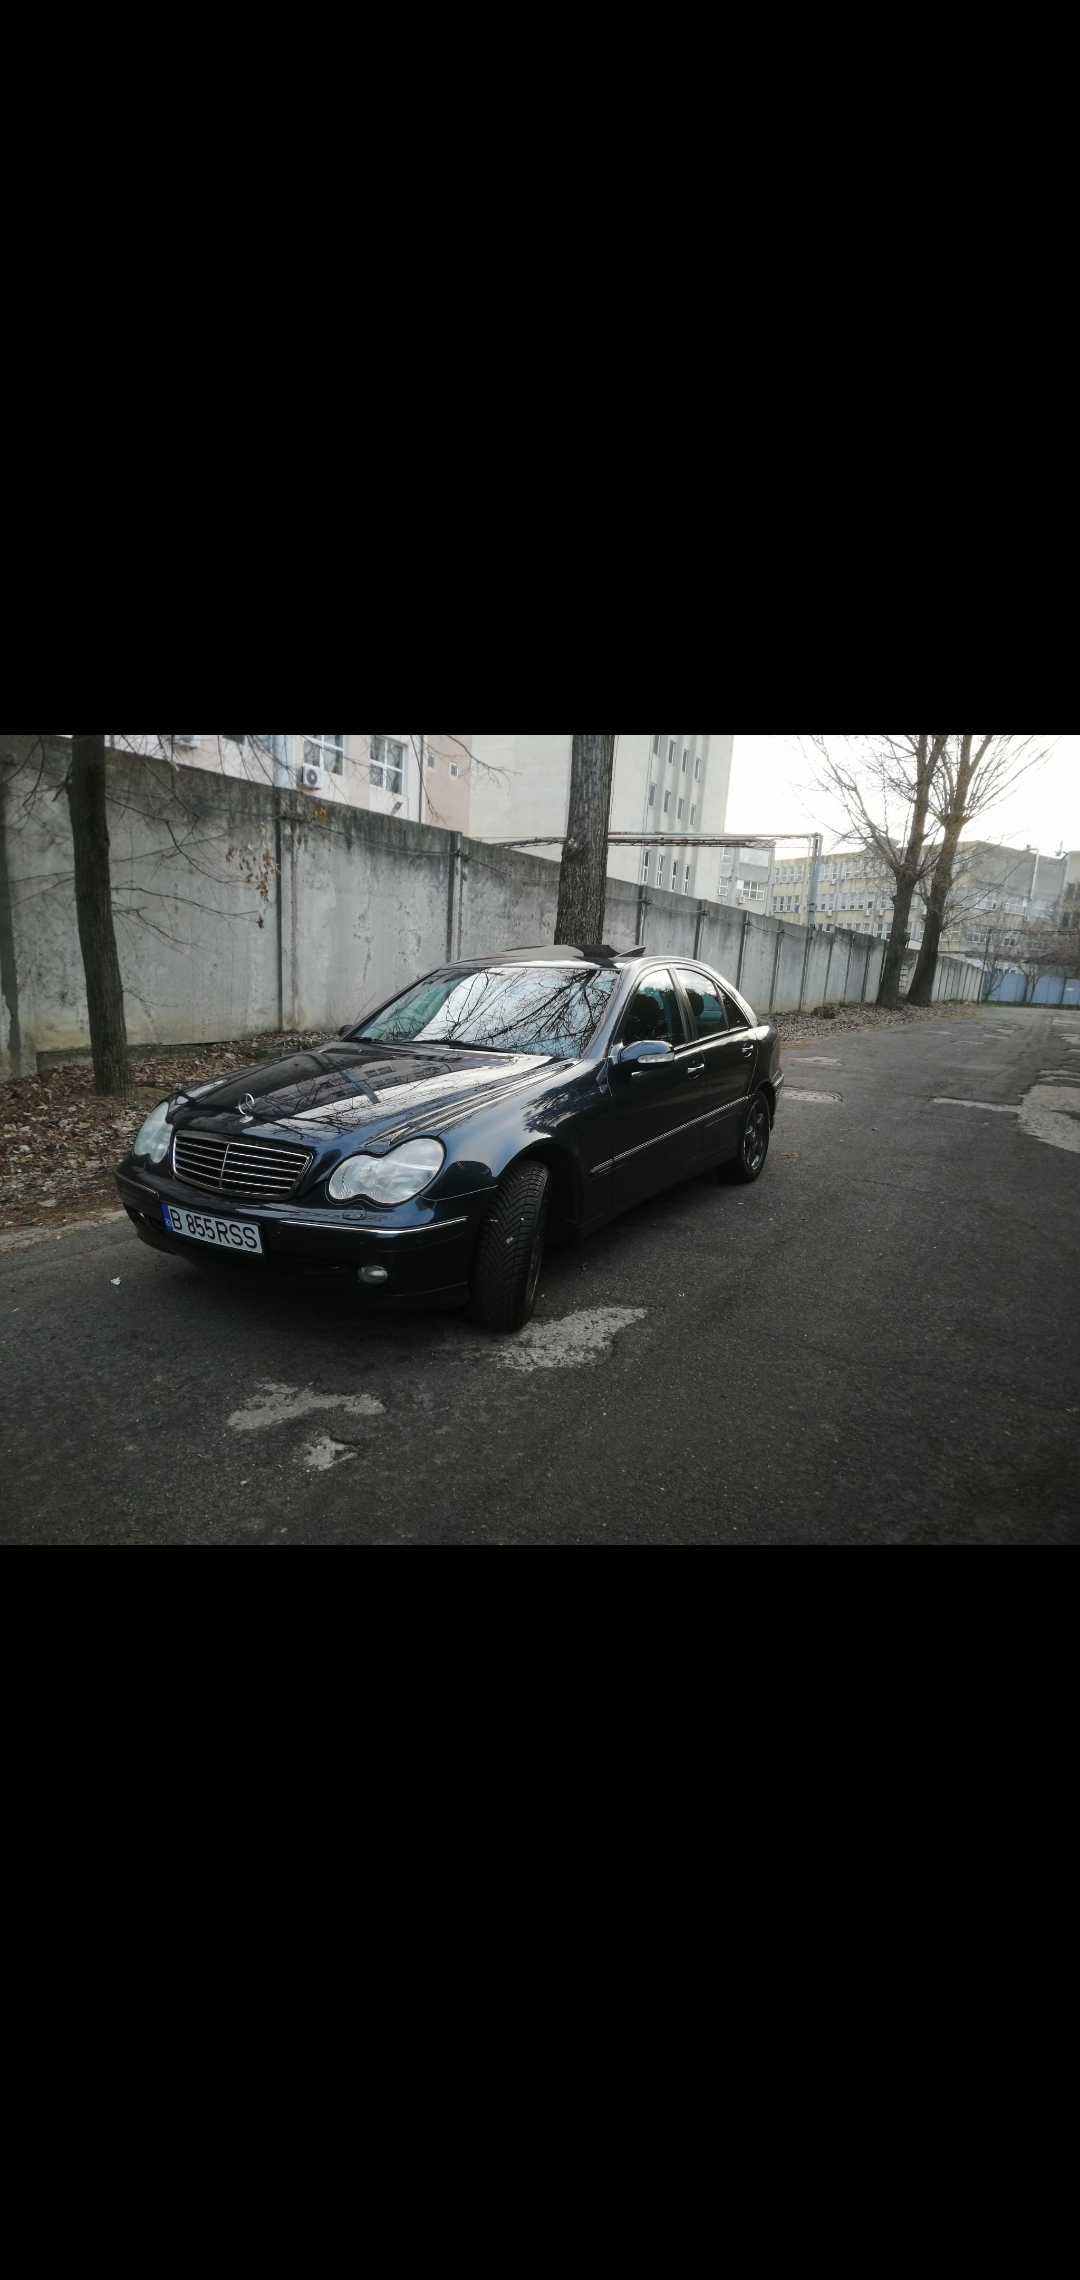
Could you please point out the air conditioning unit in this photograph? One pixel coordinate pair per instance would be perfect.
(311, 777)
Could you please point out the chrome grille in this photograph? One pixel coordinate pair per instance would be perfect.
(265, 1171)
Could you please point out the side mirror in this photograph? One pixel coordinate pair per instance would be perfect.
(648, 1053)
(347, 1031)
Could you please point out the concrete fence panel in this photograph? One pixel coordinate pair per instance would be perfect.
(240, 908)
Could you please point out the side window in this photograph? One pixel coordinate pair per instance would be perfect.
(707, 1004)
(653, 1013)
(736, 1016)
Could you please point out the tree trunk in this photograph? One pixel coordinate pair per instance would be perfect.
(583, 877)
(922, 987)
(892, 966)
(93, 904)
(907, 877)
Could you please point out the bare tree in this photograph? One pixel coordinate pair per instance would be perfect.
(93, 905)
(583, 876)
(974, 773)
(884, 785)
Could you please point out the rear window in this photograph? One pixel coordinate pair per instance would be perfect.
(500, 1009)
(708, 1005)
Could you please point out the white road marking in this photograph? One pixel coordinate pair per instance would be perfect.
(566, 1344)
(827, 1099)
(283, 1404)
(994, 1107)
(322, 1455)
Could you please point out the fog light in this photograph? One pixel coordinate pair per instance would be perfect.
(373, 1275)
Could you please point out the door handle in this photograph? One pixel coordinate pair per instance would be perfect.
(695, 1068)
(747, 1050)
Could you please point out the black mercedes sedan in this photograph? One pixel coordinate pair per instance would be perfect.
(433, 1147)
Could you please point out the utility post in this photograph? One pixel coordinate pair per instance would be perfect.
(811, 905)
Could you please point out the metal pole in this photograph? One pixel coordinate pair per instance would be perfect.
(828, 969)
(847, 969)
(811, 905)
(865, 974)
(642, 911)
(776, 966)
(742, 948)
(701, 909)
(452, 890)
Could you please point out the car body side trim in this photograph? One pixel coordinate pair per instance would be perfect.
(712, 1116)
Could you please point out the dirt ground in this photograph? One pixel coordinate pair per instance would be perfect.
(60, 1142)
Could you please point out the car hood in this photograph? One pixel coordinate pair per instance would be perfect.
(369, 1091)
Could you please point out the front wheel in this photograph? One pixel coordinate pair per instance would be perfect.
(510, 1250)
(754, 1144)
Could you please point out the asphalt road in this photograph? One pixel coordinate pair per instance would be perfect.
(877, 1344)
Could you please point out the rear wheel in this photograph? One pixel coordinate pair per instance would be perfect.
(754, 1142)
(510, 1250)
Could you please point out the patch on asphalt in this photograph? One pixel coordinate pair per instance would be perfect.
(825, 1099)
(814, 1061)
(275, 1404)
(1049, 1114)
(568, 1343)
(322, 1455)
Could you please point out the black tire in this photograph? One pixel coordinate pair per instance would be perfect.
(754, 1140)
(510, 1250)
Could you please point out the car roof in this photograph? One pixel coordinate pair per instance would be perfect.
(552, 954)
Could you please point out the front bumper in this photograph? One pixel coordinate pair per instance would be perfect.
(426, 1250)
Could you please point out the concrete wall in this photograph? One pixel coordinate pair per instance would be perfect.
(239, 909)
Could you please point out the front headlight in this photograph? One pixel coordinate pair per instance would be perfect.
(388, 1179)
(154, 1136)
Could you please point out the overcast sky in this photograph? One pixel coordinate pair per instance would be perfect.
(773, 789)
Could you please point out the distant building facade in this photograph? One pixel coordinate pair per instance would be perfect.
(1002, 891)
(515, 788)
(520, 789)
(855, 892)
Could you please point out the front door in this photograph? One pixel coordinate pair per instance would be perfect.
(653, 1104)
(725, 1060)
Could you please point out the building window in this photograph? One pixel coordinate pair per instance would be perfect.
(454, 769)
(671, 750)
(685, 758)
(697, 770)
(645, 868)
(674, 877)
(652, 795)
(325, 752)
(682, 809)
(656, 742)
(693, 815)
(686, 880)
(667, 802)
(388, 765)
(659, 870)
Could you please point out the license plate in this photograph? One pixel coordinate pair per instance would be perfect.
(228, 1234)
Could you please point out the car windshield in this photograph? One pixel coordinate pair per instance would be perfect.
(501, 1009)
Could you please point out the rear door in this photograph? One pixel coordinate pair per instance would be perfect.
(652, 1105)
(722, 1059)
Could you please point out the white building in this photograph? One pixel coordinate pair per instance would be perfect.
(515, 788)
(520, 790)
(425, 779)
